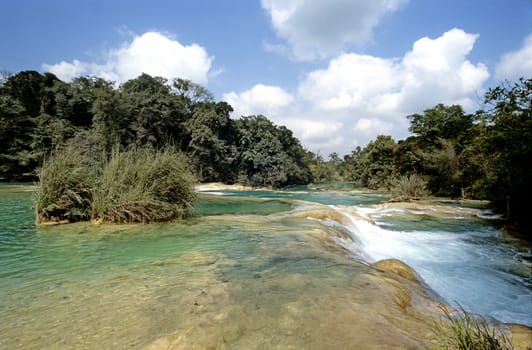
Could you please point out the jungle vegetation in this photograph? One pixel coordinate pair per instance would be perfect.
(483, 155)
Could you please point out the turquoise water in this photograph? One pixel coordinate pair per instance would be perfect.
(124, 286)
(315, 196)
(464, 258)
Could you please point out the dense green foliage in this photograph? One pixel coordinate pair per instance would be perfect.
(485, 155)
(39, 113)
(269, 155)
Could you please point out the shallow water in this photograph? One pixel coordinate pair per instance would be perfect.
(255, 272)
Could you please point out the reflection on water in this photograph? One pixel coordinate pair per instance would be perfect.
(243, 273)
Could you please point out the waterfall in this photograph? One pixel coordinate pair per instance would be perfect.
(473, 268)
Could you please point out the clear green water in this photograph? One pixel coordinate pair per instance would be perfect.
(245, 272)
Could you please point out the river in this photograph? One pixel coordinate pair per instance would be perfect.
(251, 269)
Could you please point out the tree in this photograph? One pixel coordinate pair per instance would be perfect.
(154, 114)
(447, 122)
(325, 170)
(190, 93)
(25, 87)
(75, 100)
(507, 145)
(351, 165)
(442, 133)
(39, 113)
(110, 123)
(376, 162)
(212, 143)
(15, 139)
(269, 155)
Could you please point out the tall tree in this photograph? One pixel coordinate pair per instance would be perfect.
(441, 134)
(212, 142)
(269, 155)
(15, 139)
(25, 87)
(376, 163)
(447, 122)
(110, 123)
(507, 144)
(153, 112)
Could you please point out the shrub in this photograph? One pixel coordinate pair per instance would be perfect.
(136, 185)
(465, 332)
(66, 180)
(143, 185)
(409, 187)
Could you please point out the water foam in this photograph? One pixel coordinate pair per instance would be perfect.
(475, 269)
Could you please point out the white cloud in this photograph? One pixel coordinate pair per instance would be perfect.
(318, 29)
(350, 81)
(324, 136)
(314, 131)
(260, 99)
(357, 97)
(370, 126)
(66, 70)
(516, 64)
(152, 53)
(434, 71)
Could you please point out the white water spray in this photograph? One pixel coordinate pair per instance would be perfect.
(464, 268)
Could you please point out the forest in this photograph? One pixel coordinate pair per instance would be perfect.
(482, 155)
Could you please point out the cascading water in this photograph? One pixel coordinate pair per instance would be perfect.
(458, 251)
(475, 267)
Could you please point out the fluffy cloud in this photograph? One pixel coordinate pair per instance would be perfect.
(316, 135)
(435, 70)
(317, 29)
(260, 99)
(516, 64)
(152, 53)
(351, 81)
(369, 126)
(357, 97)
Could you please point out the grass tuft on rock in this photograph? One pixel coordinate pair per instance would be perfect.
(462, 331)
(402, 298)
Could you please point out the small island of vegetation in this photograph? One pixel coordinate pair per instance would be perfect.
(133, 185)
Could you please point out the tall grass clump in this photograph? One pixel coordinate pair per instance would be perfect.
(143, 185)
(78, 183)
(66, 180)
(409, 187)
(465, 332)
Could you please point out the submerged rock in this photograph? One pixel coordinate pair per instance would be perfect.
(521, 336)
(399, 268)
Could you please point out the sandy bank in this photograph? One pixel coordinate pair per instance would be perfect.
(218, 186)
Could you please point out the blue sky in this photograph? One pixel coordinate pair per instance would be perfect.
(336, 72)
